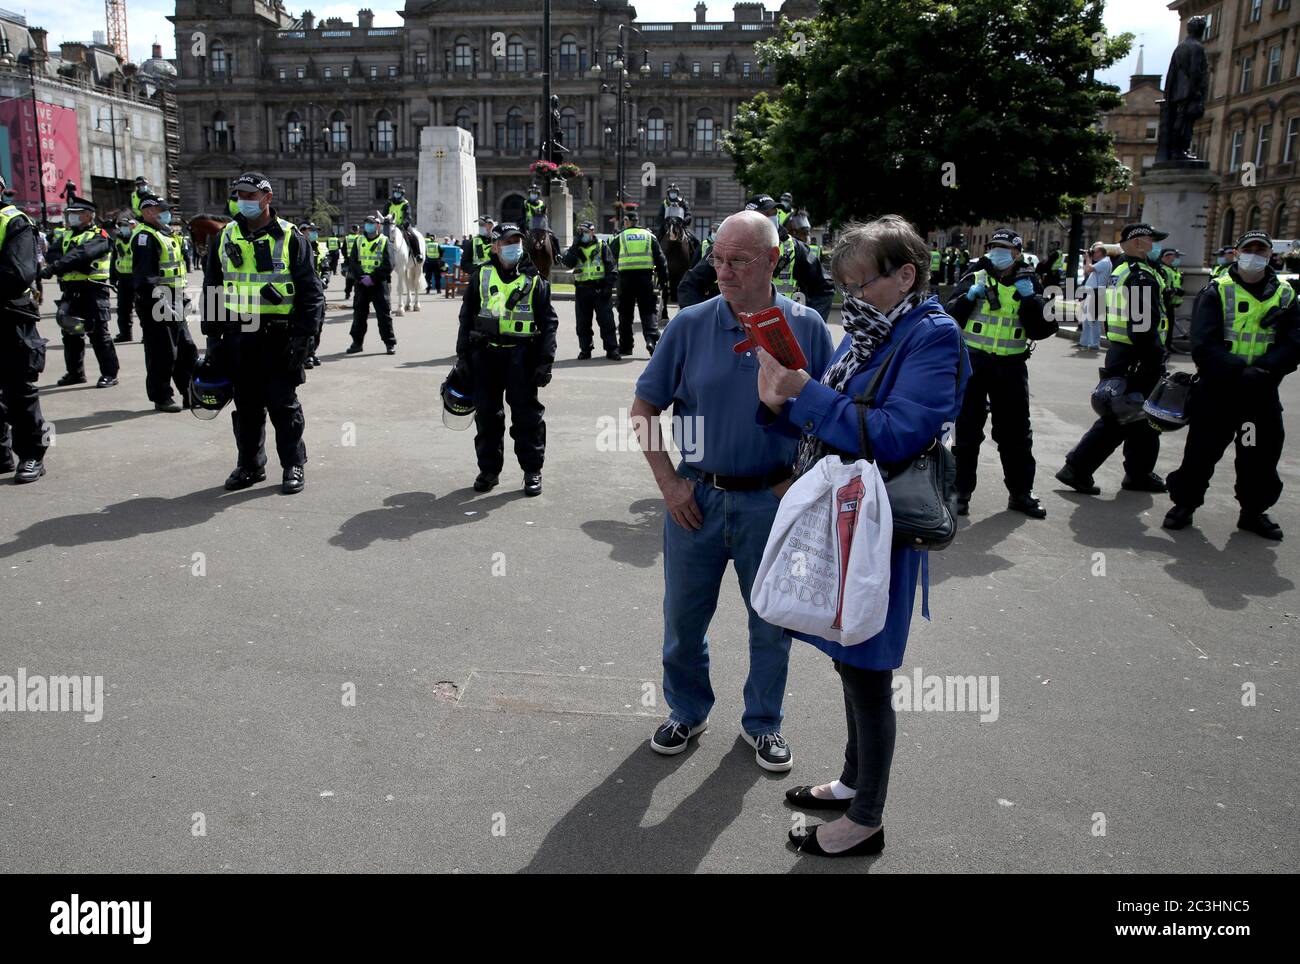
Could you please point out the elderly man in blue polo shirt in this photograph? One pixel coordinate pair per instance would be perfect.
(721, 501)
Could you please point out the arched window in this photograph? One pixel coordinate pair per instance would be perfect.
(464, 119)
(218, 61)
(385, 135)
(464, 55)
(569, 128)
(655, 131)
(704, 130)
(339, 138)
(220, 132)
(1253, 219)
(1281, 218)
(1229, 227)
(515, 54)
(568, 54)
(293, 131)
(514, 129)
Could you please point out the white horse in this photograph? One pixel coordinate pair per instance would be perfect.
(408, 277)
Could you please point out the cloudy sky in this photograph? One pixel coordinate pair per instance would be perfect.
(1155, 26)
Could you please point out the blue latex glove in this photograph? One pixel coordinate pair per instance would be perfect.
(1025, 287)
(367, 280)
(975, 292)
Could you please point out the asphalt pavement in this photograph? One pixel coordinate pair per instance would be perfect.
(390, 672)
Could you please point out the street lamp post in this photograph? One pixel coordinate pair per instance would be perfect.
(112, 130)
(620, 78)
(311, 134)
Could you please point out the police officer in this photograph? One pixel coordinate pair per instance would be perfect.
(1170, 259)
(349, 242)
(797, 270)
(637, 256)
(22, 350)
(784, 209)
(595, 276)
(936, 263)
(332, 246)
(121, 272)
(534, 206)
(1051, 270)
(1135, 326)
(1000, 310)
(507, 338)
(673, 199)
(260, 329)
(399, 209)
(432, 265)
(140, 192)
(159, 275)
(321, 251)
(81, 264)
(481, 243)
(1224, 258)
(1245, 340)
(372, 267)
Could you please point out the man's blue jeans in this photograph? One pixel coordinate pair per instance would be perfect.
(736, 525)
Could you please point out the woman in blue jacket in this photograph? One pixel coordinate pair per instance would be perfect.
(882, 269)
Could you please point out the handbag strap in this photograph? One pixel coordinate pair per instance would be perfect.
(865, 400)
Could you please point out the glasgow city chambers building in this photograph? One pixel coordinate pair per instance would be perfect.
(334, 109)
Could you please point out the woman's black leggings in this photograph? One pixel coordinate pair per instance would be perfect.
(868, 704)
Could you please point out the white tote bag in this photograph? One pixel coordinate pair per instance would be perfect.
(825, 569)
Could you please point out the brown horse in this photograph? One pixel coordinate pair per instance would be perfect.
(204, 227)
(542, 248)
(679, 247)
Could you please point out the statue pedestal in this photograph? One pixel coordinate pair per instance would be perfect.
(1177, 200)
(448, 182)
(561, 213)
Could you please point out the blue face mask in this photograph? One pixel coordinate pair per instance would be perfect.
(1000, 258)
(250, 209)
(124, 231)
(397, 195)
(313, 236)
(370, 230)
(1154, 254)
(165, 218)
(510, 253)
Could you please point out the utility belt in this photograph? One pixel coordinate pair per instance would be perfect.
(737, 483)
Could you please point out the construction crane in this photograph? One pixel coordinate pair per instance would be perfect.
(115, 14)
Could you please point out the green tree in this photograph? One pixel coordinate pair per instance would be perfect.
(946, 113)
(322, 214)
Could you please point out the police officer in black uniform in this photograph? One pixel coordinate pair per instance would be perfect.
(123, 280)
(594, 279)
(22, 350)
(1241, 360)
(81, 265)
(158, 266)
(260, 332)
(510, 354)
(636, 282)
(797, 270)
(1135, 326)
(371, 264)
(999, 308)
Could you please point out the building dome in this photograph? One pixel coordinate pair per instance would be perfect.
(158, 70)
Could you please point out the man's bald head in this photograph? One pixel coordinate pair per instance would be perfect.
(749, 230)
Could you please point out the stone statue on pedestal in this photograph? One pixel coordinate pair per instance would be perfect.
(1185, 94)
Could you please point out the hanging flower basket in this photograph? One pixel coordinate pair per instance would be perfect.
(569, 171)
(541, 168)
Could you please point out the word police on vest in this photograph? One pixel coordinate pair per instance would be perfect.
(36, 694)
(74, 917)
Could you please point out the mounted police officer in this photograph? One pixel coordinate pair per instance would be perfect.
(1136, 323)
(140, 192)
(534, 206)
(372, 267)
(22, 350)
(81, 265)
(507, 339)
(1000, 310)
(797, 269)
(1245, 340)
(121, 272)
(675, 199)
(785, 208)
(637, 256)
(159, 275)
(594, 277)
(399, 209)
(262, 298)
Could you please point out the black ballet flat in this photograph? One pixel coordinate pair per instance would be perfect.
(803, 798)
(807, 844)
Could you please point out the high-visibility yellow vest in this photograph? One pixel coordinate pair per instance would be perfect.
(395, 209)
(704, 248)
(1219, 270)
(591, 263)
(634, 253)
(493, 291)
(350, 242)
(936, 259)
(322, 255)
(1242, 314)
(98, 269)
(7, 214)
(783, 278)
(816, 249)
(1058, 263)
(332, 242)
(242, 284)
(171, 258)
(534, 208)
(232, 205)
(370, 252)
(124, 261)
(782, 215)
(136, 198)
(431, 249)
(482, 250)
(1175, 283)
(1117, 306)
(996, 331)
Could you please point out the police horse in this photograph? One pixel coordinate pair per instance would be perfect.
(408, 277)
(680, 247)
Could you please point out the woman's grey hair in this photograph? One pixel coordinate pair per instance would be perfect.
(889, 241)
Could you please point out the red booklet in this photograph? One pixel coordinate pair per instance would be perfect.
(768, 329)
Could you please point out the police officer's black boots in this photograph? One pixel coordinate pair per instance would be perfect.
(485, 482)
(6, 461)
(71, 379)
(1178, 517)
(29, 470)
(353, 348)
(1260, 524)
(1027, 503)
(294, 480)
(1148, 483)
(963, 503)
(532, 483)
(1080, 483)
(242, 478)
